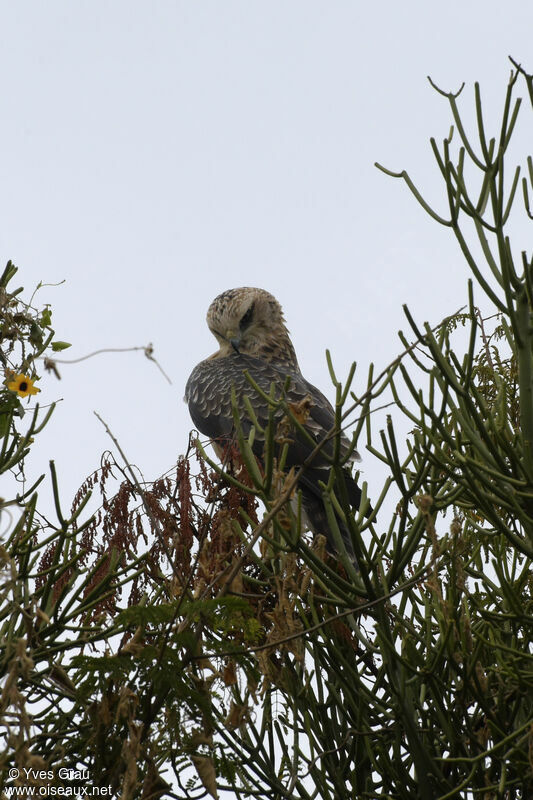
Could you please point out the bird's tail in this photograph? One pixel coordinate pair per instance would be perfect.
(313, 505)
(317, 521)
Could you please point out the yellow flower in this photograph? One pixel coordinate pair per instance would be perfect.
(22, 385)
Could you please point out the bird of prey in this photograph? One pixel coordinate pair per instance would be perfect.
(249, 327)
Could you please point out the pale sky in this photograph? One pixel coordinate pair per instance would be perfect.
(154, 154)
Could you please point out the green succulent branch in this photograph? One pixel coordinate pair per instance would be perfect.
(188, 637)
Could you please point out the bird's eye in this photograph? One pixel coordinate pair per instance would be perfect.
(247, 318)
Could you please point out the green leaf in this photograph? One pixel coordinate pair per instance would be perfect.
(146, 615)
(36, 334)
(105, 665)
(46, 317)
(57, 346)
(4, 423)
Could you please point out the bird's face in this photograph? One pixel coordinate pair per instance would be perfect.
(242, 320)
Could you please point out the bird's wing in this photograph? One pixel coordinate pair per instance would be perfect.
(209, 396)
(209, 391)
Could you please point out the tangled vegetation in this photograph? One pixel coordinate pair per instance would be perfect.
(186, 640)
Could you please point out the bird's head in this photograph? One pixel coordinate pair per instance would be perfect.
(250, 321)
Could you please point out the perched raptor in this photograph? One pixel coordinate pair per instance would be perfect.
(250, 329)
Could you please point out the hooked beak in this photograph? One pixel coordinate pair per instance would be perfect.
(234, 338)
(235, 342)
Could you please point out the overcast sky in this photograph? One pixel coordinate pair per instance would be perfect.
(153, 154)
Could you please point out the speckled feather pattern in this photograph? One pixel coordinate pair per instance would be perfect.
(248, 323)
(208, 395)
